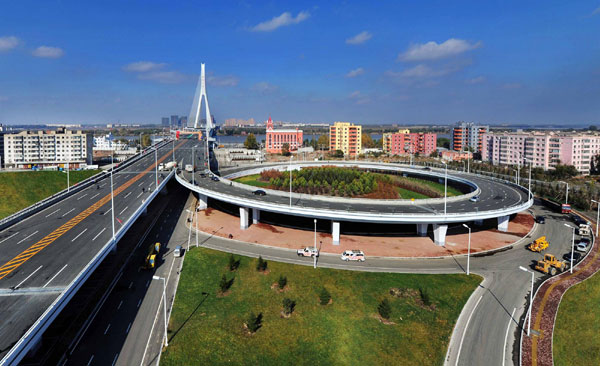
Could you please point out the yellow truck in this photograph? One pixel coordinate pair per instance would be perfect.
(551, 265)
(153, 251)
(539, 244)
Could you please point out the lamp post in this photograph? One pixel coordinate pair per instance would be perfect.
(567, 192)
(193, 170)
(112, 196)
(530, 298)
(445, 186)
(572, 246)
(468, 250)
(597, 216)
(290, 168)
(165, 303)
(530, 194)
(315, 256)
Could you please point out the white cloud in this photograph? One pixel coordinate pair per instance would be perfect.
(477, 80)
(596, 11)
(48, 52)
(8, 43)
(362, 37)
(280, 21)
(143, 66)
(164, 77)
(419, 71)
(265, 87)
(355, 94)
(355, 73)
(226, 80)
(433, 51)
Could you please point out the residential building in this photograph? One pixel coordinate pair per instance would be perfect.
(47, 148)
(467, 136)
(457, 155)
(400, 143)
(106, 143)
(183, 121)
(346, 137)
(165, 122)
(543, 149)
(174, 121)
(275, 139)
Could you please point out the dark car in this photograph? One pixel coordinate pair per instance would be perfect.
(214, 178)
(540, 219)
(576, 257)
(260, 192)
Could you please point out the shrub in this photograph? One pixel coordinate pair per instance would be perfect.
(288, 306)
(261, 265)
(384, 309)
(225, 284)
(425, 297)
(233, 263)
(254, 322)
(281, 282)
(324, 296)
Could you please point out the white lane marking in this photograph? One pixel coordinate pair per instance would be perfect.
(130, 284)
(127, 195)
(77, 237)
(66, 213)
(97, 235)
(57, 273)
(115, 360)
(506, 336)
(138, 196)
(120, 303)
(32, 273)
(94, 196)
(27, 237)
(139, 185)
(147, 283)
(53, 212)
(5, 239)
(128, 327)
(80, 197)
(120, 213)
(139, 302)
(110, 209)
(465, 330)
(90, 361)
(102, 185)
(107, 328)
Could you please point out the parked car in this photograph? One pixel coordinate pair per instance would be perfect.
(474, 199)
(308, 252)
(178, 251)
(540, 219)
(214, 178)
(260, 192)
(582, 246)
(353, 255)
(576, 257)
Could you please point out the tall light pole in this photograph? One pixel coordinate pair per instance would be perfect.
(597, 216)
(316, 251)
(572, 246)
(468, 250)
(530, 298)
(68, 185)
(567, 192)
(290, 168)
(112, 196)
(165, 303)
(445, 186)
(530, 194)
(193, 170)
(155, 168)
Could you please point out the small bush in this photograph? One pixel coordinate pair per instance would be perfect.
(254, 322)
(384, 309)
(288, 306)
(233, 264)
(425, 297)
(281, 282)
(324, 296)
(261, 265)
(225, 284)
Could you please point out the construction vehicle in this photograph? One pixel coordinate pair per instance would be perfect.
(551, 265)
(170, 164)
(539, 244)
(153, 251)
(584, 229)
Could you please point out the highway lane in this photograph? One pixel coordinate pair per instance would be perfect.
(57, 263)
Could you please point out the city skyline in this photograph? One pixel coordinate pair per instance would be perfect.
(391, 63)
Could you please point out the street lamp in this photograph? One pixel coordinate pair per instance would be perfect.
(598, 216)
(112, 196)
(193, 162)
(445, 186)
(530, 195)
(468, 250)
(572, 245)
(315, 256)
(165, 303)
(530, 298)
(567, 192)
(290, 169)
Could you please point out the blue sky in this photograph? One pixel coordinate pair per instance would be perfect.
(406, 62)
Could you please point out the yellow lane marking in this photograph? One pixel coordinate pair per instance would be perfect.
(24, 256)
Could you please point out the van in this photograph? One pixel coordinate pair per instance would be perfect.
(178, 251)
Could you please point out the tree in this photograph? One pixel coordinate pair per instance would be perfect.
(443, 142)
(367, 141)
(288, 306)
(146, 141)
(254, 322)
(434, 154)
(285, 149)
(323, 142)
(424, 297)
(281, 282)
(261, 266)
(225, 284)
(324, 296)
(593, 128)
(338, 154)
(251, 142)
(233, 263)
(384, 309)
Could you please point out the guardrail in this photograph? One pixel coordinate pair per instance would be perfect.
(342, 215)
(29, 340)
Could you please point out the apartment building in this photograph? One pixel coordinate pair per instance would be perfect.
(543, 149)
(47, 148)
(275, 139)
(400, 143)
(346, 137)
(467, 135)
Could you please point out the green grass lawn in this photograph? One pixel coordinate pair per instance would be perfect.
(345, 332)
(439, 187)
(252, 180)
(576, 340)
(22, 189)
(408, 194)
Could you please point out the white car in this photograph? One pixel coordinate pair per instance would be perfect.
(308, 252)
(353, 255)
(582, 246)
(474, 199)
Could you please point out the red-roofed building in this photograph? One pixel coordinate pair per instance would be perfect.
(276, 138)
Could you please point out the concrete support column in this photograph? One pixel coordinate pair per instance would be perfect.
(478, 222)
(335, 232)
(243, 218)
(439, 234)
(202, 201)
(422, 229)
(503, 223)
(255, 216)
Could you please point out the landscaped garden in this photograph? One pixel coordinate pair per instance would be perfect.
(245, 311)
(348, 182)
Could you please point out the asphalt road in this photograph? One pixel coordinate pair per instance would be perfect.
(57, 243)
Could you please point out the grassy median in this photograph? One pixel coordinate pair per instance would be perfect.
(209, 329)
(576, 340)
(22, 189)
